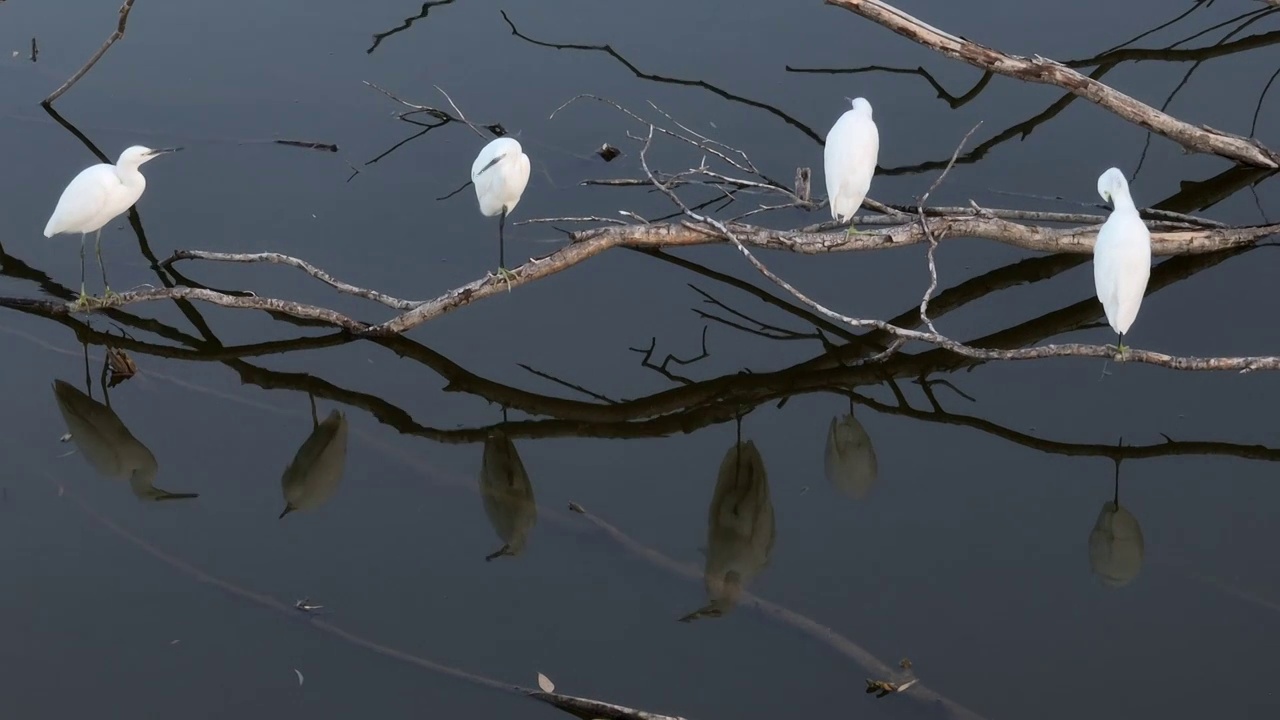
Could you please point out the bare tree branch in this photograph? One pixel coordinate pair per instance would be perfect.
(308, 268)
(1043, 70)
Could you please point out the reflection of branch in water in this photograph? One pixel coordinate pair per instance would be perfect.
(820, 632)
(115, 35)
(442, 116)
(1146, 145)
(568, 703)
(661, 368)
(1054, 447)
(608, 50)
(954, 101)
(408, 22)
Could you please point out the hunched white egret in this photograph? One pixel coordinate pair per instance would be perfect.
(500, 174)
(95, 197)
(849, 159)
(1121, 256)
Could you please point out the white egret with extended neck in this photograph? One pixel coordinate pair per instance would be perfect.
(500, 174)
(1121, 256)
(98, 195)
(849, 159)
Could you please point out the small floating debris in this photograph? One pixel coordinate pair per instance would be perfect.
(496, 129)
(545, 683)
(65, 438)
(305, 605)
(300, 678)
(608, 152)
(122, 366)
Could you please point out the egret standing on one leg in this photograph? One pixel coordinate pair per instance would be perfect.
(97, 196)
(853, 145)
(1121, 256)
(500, 174)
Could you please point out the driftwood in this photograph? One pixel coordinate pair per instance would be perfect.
(1038, 69)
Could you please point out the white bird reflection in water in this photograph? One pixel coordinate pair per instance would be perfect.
(103, 440)
(507, 495)
(1115, 543)
(850, 460)
(316, 469)
(740, 529)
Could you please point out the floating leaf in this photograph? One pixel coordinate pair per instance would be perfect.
(546, 684)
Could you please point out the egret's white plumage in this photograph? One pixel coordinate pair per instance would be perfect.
(500, 174)
(1121, 256)
(107, 444)
(849, 159)
(98, 195)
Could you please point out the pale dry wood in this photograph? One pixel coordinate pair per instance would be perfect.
(1042, 70)
(308, 268)
(1078, 240)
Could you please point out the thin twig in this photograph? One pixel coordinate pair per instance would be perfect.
(303, 265)
(464, 119)
(111, 40)
(933, 241)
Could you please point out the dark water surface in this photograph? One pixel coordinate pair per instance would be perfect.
(970, 554)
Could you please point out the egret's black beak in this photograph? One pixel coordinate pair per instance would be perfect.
(162, 151)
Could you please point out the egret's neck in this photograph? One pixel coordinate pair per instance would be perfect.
(1121, 199)
(130, 176)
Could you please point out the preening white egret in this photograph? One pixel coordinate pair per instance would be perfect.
(317, 467)
(500, 174)
(98, 195)
(740, 529)
(1121, 256)
(849, 159)
(107, 444)
(507, 495)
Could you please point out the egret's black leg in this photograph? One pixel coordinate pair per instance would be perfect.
(106, 286)
(503, 273)
(1120, 342)
(83, 300)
